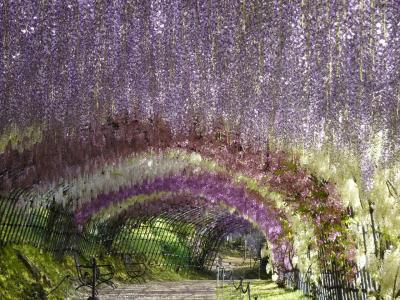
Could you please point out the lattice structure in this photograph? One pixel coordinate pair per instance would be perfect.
(199, 230)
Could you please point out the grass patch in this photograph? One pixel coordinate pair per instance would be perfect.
(263, 289)
(29, 273)
(162, 274)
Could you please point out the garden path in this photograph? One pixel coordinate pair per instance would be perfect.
(189, 289)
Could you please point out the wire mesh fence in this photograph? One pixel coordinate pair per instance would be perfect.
(332, 285)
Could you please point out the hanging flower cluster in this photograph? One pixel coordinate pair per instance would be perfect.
(317, 200)
(301, 73)
(375, 212)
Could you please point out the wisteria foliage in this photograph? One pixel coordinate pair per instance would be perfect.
(315, 72)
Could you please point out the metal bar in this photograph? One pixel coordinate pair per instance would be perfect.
(21, 220)
(27, 223)
(13, 199)
(44, 239)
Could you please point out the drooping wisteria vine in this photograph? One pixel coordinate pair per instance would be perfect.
(105, 104)
(312, 72)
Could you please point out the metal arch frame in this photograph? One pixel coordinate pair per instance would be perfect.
(218, 233)
(202, 225)
(173, 217)
(211, 256)
(205, 235)
(198, 222)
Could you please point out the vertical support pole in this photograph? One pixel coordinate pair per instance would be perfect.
(217, 276)
(223, 277)
(94, 279)
(245, 247)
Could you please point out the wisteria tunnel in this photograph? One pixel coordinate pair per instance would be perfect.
(147, 140)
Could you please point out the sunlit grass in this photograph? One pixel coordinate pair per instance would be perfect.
(262, 289)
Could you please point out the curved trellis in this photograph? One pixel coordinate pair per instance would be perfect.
(201, 235)
(198, 179)
(52, 228)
